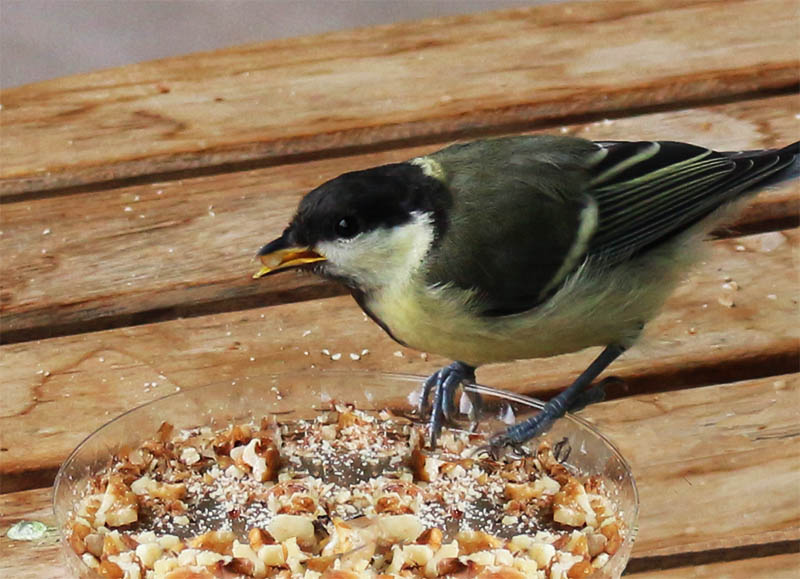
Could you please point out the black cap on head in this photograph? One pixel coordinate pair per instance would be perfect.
(366, 200)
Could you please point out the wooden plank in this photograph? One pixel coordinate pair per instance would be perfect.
(400, 83)
(58, 390)
(30, 559)
(152, 252)
(785, 566)
(717, 465)
(700, 459)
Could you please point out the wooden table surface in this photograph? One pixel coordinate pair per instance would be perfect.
(132, 202)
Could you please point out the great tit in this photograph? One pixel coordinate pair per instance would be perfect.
(520, 247)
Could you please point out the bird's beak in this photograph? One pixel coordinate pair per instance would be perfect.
(282, 254)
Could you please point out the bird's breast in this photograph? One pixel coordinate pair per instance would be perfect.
(441, 321)
(594, 309)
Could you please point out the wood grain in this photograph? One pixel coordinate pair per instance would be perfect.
(694, 461)
(153, 252)
(34, 559)
(407, 82)
(704, 456)
(59, 390)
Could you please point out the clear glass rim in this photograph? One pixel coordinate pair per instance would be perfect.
(60, 478)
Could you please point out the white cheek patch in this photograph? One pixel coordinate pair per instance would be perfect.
(383, 257)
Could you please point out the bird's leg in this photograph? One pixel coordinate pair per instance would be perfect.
(575, 395)
(443, 384)
(595, 393)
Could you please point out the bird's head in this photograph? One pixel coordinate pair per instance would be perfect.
(367, 229)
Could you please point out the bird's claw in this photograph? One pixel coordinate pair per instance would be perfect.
(475, 408)
(499, 445)
(514, 437)
(562, 449)
(443, 384)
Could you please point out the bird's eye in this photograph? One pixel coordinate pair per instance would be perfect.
(347, 227)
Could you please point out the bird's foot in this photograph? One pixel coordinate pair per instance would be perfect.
(578, 395)
(513, 438)
(443, 385)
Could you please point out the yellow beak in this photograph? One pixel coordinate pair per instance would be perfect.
(284, 258)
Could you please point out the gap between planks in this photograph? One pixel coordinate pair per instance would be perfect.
(756, 557)
(717, 453)
(335, 91)
(627, 383)
(694, 341)
(440, 139)
(751, 223)
(661, 381)
(100, 241)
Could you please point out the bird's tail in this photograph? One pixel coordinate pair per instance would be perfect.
(768, 167)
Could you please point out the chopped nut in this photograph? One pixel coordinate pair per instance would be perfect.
(418, 555)
(448, 566)
(170, 542)
(254, 456)
(190, 456)
(445, 560)
(580, 569)
(259, 537)
(246, 561)
(431, 537)
(391, 505)
(596, 543)
(274, 555)
(482, 558)
(571, 505)
(247, 567)
(219, 541)
(528, 567)
(341, 574)
(148, 553)
(383, 525)
(600, 560)
(165, 432)
(611, 533)
(473, 541)
(578, 544)
(211, 559)
(119, 506)
(542, 553)
(400, 528)
(113, 544)
(77, 537)
(90, 561)
(285, 527)
(159, 490)
(94, 544)
(110, 570)
(184, 573)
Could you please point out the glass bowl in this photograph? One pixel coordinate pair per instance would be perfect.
(302, 395)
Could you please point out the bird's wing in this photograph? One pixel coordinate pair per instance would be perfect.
(647, 192)
(529, 210)
(519, 219)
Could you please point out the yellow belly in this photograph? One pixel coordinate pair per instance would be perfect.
(588, 312)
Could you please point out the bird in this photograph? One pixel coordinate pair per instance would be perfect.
(521, 247)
